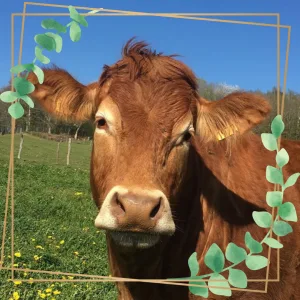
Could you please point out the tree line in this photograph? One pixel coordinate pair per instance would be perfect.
(36, 120)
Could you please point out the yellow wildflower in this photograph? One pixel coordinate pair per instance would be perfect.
(62, 242)
(42, 295)
(18, 254)
(36, 257)
(25, 274)
(70, 277)
(52, 285)
(49, 236)
(30, 280)
(48, 290)
(17, 282)
(78, 193)
(94, 243)
(33, 240)
(76, 253)
(56, 292)
(39, 247)
(15, 265)
(16, 296)
(9, 256)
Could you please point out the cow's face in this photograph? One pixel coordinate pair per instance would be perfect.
(147, 117)
(140, 152)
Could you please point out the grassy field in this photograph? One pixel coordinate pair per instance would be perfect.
(54, 222)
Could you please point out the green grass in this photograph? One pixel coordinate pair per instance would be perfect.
(48, 211)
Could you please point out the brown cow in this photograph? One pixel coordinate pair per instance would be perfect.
(164, 184)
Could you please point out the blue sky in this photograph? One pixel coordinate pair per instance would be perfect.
(237, 54)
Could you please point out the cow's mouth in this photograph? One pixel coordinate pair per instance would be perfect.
(138, 240)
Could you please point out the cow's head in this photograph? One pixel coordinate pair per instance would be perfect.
(147, 116)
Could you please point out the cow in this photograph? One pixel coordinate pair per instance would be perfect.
(172, 173)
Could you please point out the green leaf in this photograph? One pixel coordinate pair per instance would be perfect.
(20, 68)
(58, 40)
(256, 262)
(282, 158)
(287, 212)
(39, 55)
(16, 110)
(234, 253)
(74, 15)
(237, 278)
(39, 73)
(223, 284)
(274, 199)
(273, 243)
(269, 141)
(23, 86)
(9, 96)
(282, 228)
(274, 175)
(75, 32)
(291, 180)
(193, 264)
(214, 258)
(253, 245)
(28, 100)
(202, 290)
(45, 41)
(52, 24)
(262, 218)
(277, 126)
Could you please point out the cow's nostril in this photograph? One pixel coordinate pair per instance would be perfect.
(155, 209)
(120, 204)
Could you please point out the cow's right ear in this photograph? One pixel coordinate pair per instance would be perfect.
(64, 97)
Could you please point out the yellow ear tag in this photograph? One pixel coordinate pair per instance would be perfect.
(228, 132)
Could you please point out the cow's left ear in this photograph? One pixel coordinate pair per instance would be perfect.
(234, 114)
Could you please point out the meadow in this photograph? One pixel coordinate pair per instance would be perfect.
(53, 224)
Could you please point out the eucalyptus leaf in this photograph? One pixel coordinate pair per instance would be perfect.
(222, 284)
(273, 243)
(274, 175)
(237, 278)
(23, 86)
(262, 218)
(75, 32)
(269, 141)
(52, 24)
(193, 264)
(202, 290)
(287, 212)
(274, 199)
(234, 253)
(256, 262)
(28, 100)
(253, 245)
(214, 258)
(282, 158)
(39, 55)
(277, 126)
(16, 110)
(9, 96)
(20, 68)
(291, 180)
(39, 73)
(58, 40)
(282, 228)
(45, 41)
(77, 17)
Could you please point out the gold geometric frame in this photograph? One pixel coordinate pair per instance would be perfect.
(109, 12)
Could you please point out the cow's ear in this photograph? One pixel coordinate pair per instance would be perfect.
(64, 97)
(234, 114)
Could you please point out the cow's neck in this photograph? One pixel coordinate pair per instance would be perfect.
(203, 200)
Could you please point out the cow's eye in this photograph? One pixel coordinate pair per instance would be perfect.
(101, 123)
(186, 137)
